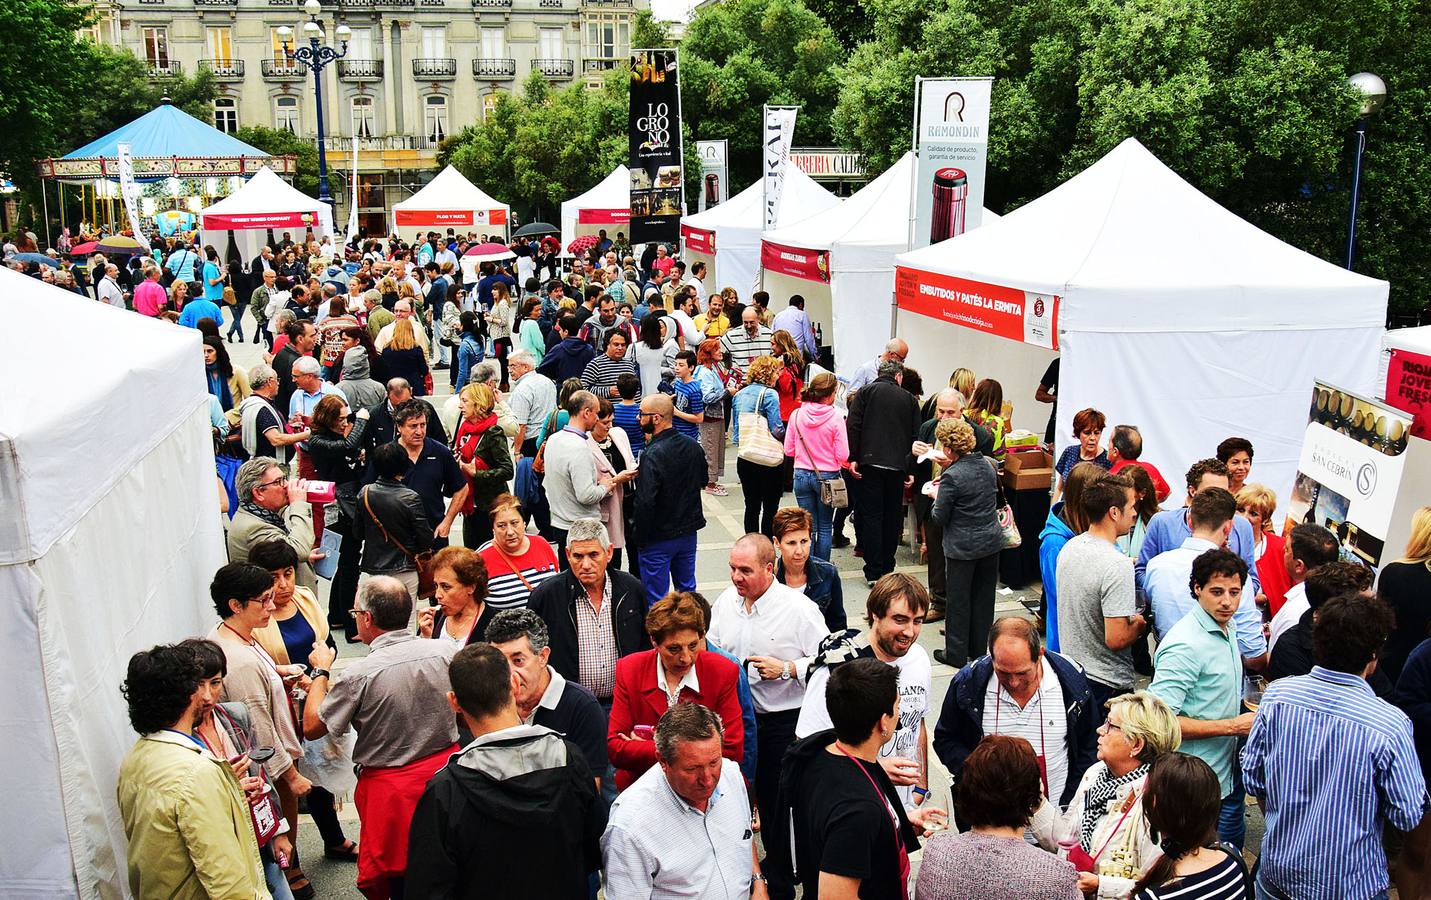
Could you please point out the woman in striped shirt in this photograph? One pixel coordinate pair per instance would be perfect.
(516, 561)
(1182, 802)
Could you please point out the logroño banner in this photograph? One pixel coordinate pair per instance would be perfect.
(654, 137)
(1011, 313)
(779, 132)
(714, 174)
(951, 129)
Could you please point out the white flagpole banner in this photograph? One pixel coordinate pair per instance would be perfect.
(129, 192)
(353, 204)
(779, 132)
(714, 178)
(952, 143)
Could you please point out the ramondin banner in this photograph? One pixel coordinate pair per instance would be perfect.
(952, 144)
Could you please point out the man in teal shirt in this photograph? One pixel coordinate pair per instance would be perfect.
(1199, 676)
(213, 278)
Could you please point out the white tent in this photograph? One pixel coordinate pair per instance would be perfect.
(109, 534)
(1170, 313)
(450, 201)
(727, 236)
(266, 203)
(608, 205)
(842, 262)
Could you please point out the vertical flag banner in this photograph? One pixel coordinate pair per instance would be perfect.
(657, 179)
(952, 143)
(353, 204)
(779, 132)
(715, 187)
(129, 192)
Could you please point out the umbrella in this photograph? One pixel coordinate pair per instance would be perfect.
(582, 244)
(534, 229)
(84, 249)
(489, 252)
(38, 258)
(120, 243)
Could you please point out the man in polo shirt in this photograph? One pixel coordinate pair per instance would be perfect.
(896, 350)
(1199, 676)
(1168, 529)
(532, 400)
(434, 473)
(683, 828)
(396, 700)
(748, 341)
(543, 696)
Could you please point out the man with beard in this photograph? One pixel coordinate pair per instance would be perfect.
(895, 612)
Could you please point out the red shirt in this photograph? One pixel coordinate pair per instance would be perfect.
(1159, 484)
(1272, 573)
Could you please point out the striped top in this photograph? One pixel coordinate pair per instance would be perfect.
(505, 589)
(1331, 763)
(601, 373)
(1221, 882)
(743, 348)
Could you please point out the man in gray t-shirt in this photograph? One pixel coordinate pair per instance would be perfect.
(1098, 621)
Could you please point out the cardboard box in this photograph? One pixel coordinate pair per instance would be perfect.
(1028, 470)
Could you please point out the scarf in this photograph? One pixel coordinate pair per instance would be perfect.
(469, 435)
(266, 515)
(219, 386)
(1097, 798)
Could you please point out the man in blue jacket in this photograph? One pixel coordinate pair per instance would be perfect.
(1019, 689)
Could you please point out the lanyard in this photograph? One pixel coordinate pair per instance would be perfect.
(893, 820)
(1042, 749)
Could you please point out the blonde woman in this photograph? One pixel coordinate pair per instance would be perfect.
(1406, 586)
(405, 359)
(1105, 828)
(485, 459)
(1256, 503)
(178, 293)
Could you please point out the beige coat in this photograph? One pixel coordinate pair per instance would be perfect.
(611, 515)
(1130, 847)
(253, 683)
(271, 639)
(247, 531)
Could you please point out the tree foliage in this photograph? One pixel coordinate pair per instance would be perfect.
(282, 142)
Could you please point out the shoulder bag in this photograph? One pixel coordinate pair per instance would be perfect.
(833, 491)
(426, 584)
(757, 444)
(1008, 528)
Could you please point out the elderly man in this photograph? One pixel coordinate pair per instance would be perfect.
(309, 388)
(683, 828)
(532, 400)
(573, 488)
(272, 509)
(776, 630)
(258, 304)
(1018, 688)
(1125, 449)
(382, 429)
(264, 429)
(396, 700)
(884, 418)
(896, 350)
(109, 291)
(403, 310)
(150, 297)
(515, 814)
(378, 316)
(668, 500)
(747, 342)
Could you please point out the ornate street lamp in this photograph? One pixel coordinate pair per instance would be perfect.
(1373, 96)
(316, 56)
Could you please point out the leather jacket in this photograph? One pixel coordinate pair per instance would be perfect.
(402, 515)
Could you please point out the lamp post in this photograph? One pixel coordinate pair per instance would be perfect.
(316, 56)
(1373, 95)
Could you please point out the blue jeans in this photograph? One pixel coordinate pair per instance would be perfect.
(237, 324)
(277, 882)
(807, 495)
(668, 565)
(1231, 823)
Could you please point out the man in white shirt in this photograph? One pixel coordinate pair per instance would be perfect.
(403, 310)
(697, 281)
(1307, 547)
(533, 398)
(683, 828)
(896, 349)
(108, 288)
(685, 311)
(895, 612)
(794, 320)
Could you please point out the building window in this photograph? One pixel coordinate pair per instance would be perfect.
(549, 43)
(278, 55)
(285, 114)
(360, 44)
(435, 120)
(489, 105)
(494, 43)
(608, 36)
(156, 47)
(226, 115)
(434, 43)
(221, 45)
(363, 117)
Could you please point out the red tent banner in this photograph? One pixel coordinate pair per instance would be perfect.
(994, 309)
(250, 221)
(1408, 388)
(409, 218)
(698, 240)
(811, 265)
(603, 216)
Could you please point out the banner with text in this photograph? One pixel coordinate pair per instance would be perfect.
(451, 218)
(991, 308)
(952, 143)
(698, 240)
(654, 138)
(779, 132)
(130, 191)
(811, 265)
(1408, 387)
(715, 187)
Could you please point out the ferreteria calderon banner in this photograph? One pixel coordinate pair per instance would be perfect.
(657, 180)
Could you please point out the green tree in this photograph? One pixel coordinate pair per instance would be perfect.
(282, 142)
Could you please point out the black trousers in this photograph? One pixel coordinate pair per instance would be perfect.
(774, 733)
(969, 606)
(476, 529)
(762, 487)
(880, 520)
(345, 585)
(324, 810)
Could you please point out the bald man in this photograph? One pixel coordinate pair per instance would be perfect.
(896, 349)
(668, 501)
(403, 310)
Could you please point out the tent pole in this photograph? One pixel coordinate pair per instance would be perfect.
(62, 204)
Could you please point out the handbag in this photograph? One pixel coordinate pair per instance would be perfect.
(757, 444)
(426, 583)
(1008, 528)
(833, 491)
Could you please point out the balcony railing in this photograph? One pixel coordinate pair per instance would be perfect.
(554, 68)
(599, 65)
(216, 2)
(433, 67)
(165, 69)
(494, 68)
(389, 142)
(552, 4)
(491, 4)
(224, 69)
(278, 70)
(360, 69)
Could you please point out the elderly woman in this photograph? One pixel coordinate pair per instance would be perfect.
(817, 579)
(1257, 503)
(485, 459)
(965, 508)
(998, 792)
(762, 486)
(1105, 829)
(611, 452)
(676, 670)
(516, 561)
(1088, 425)
(461, 614)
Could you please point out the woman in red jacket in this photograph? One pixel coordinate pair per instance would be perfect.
(678, 670)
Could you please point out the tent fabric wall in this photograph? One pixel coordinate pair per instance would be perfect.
(467, 206)
(612, 194)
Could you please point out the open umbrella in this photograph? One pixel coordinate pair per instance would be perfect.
(84, 249)
(580, 245)
(535, 229)
(37, 258)
(489, 252)
(120, 243)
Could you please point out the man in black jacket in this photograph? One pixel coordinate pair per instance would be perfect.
(668, 501)
(302, 338)
(881, 427)
(521, 794)
(381, 428)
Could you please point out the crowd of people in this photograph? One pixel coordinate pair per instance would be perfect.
(568, 702)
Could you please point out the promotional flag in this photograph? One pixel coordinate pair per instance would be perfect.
(779, 132)
(129, 192)
(714, 174)
(353, 203)
(657, 178)
(951, 126)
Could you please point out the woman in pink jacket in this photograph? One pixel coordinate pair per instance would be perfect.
(815, 438)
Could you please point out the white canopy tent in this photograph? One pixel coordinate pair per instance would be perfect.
(266, 203)
(842, 262)
(608, 205)
(450, 201)
(1170, 313)
(109, 534)
(727, 236)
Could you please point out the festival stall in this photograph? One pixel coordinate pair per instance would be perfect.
(450, 201)
(842, 262)
(109, 533)
(608, 206)
(265, 204)
(1169, 312)
(727, 237)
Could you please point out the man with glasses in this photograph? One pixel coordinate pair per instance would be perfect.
(896, 350)
(272, 508)
(668, 501)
